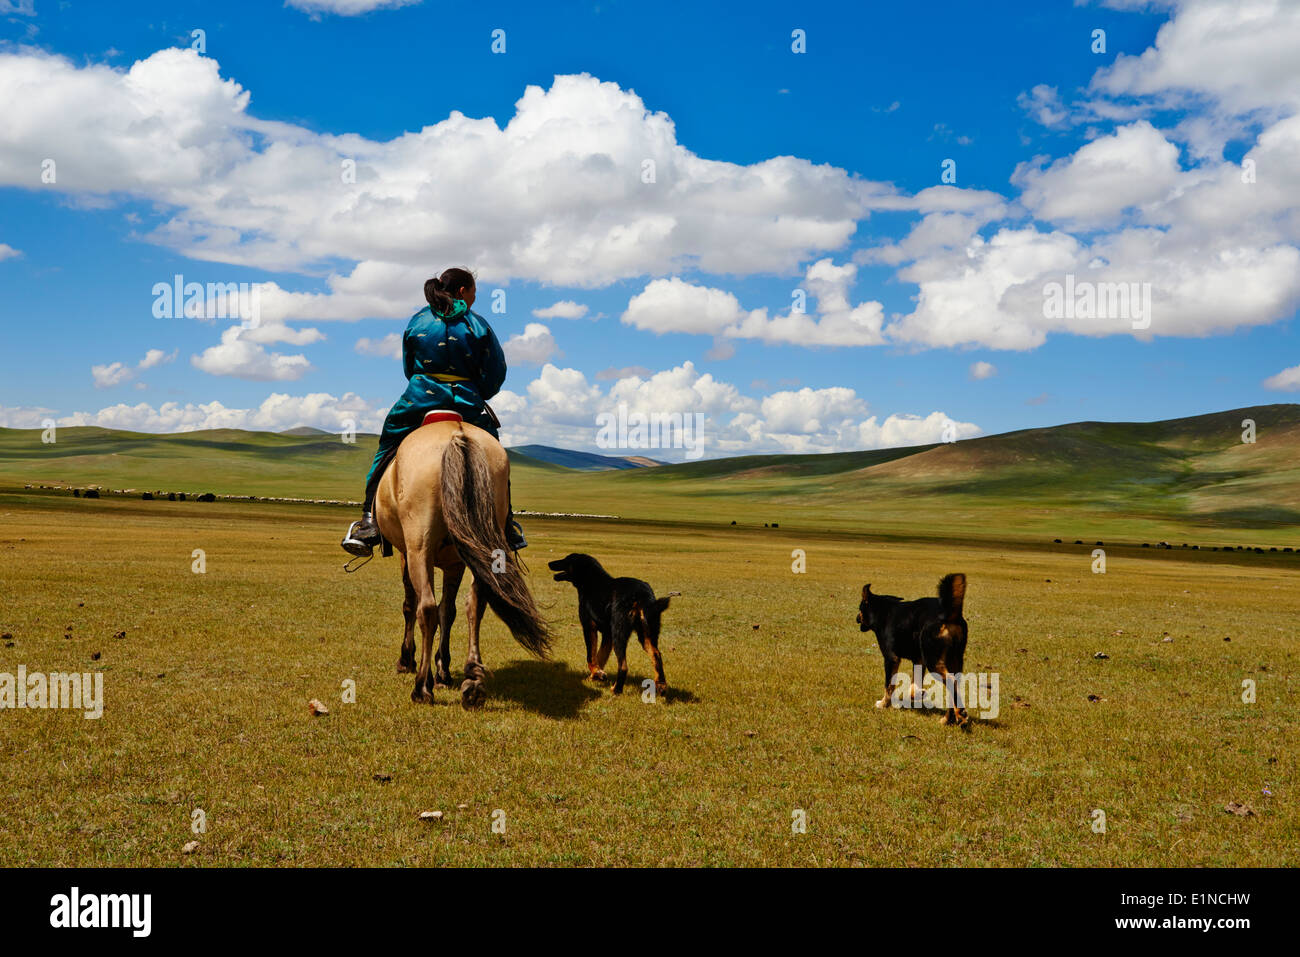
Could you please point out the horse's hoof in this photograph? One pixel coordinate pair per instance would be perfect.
(444, 683)
(405, 669)
(883, 703)
(598, 676)
(472, 695)
(422, 697)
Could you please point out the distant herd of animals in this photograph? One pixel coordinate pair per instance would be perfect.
(1209, 548)
(95, 492)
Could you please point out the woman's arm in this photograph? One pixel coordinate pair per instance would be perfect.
(410, 342)
(491, 360)
(408, 355)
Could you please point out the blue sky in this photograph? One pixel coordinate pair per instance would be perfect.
(1119, 166)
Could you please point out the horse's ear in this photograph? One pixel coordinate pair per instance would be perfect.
(662, 604)
(866, 592)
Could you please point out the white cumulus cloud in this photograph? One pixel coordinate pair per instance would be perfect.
(675, 305)
(552, 194)
(277, 412)
(533, 346)
(1288, 380)
(242, 353)
(346, 8)
(564, 309)
(385, 347)
(107, 376)
(116, 373)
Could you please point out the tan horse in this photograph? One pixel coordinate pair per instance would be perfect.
(443, 503)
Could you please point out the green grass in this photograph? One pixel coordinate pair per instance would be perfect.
(206, 702)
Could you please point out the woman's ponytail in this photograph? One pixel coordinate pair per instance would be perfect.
(441, 291)
(436, 295)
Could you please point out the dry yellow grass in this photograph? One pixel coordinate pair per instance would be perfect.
(206, 705)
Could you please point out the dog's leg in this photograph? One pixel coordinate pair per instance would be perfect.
(891, 666)
(602, 656)
(956, 712)
(621, 629)
(596, 672)
(949, 648)
(651, 645)
(916, 686)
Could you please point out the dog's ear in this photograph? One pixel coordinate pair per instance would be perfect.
(662, 604)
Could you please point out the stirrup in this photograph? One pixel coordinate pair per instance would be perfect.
(355, 546)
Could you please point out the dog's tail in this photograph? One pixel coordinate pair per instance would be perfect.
(469, 511)
(651, 612)
(952, 594)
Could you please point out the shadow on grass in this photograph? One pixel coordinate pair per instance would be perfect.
(549, 688)
(679, 695)
(554, 690)
(936, 714)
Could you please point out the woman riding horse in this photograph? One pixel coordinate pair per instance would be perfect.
(454, 362)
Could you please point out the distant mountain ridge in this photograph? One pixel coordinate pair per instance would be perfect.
(584, 461)
(1084, 480)
(566, 458)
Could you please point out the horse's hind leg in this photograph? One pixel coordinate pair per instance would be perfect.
(451, 578)
(472, 694)
(426, 610)
(406, 662)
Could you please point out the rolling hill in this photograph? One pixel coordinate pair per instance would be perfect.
(1191, 477)
(584, 461)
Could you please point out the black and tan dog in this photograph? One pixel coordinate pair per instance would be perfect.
(615, 607)
(930, 632)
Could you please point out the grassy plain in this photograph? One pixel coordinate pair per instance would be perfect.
(769, 709)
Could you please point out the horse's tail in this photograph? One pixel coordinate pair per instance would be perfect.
(469, 509)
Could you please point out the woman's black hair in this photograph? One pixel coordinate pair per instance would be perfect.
(441, 291)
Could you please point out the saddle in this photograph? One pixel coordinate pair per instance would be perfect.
(439, 415)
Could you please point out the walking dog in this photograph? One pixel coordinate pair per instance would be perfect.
(615, 607)
(930, 632)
